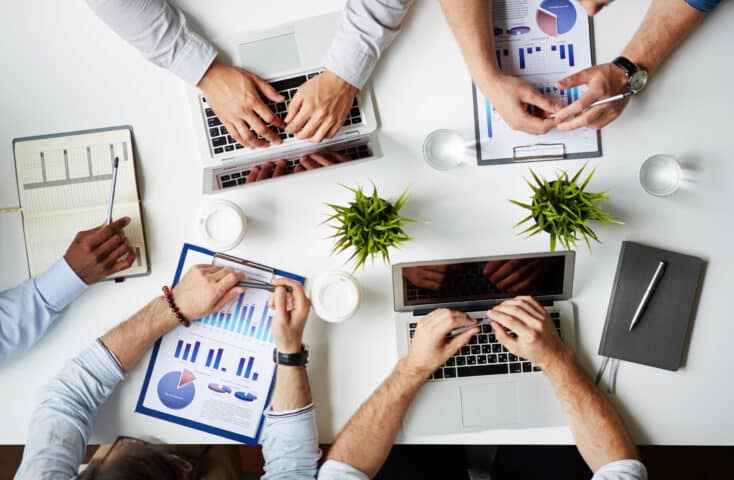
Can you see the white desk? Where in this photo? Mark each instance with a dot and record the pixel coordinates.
(64, 70)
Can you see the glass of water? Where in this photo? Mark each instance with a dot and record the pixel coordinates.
(660, 175)
(445, 149)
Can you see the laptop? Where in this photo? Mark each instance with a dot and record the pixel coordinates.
(285, 56)
(483, 386)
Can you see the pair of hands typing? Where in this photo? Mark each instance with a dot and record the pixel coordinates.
(316, 112)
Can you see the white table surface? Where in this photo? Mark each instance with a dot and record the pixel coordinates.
(64, 70)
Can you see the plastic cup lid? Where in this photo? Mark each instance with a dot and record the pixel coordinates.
(335, 296)
(222, 224)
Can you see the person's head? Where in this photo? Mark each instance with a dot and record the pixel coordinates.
(130, 458)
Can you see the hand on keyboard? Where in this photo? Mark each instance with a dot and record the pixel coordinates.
(535, 334)
(235, 96)
(431, 347)
(320, 106)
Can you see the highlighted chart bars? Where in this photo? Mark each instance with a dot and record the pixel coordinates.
(244, 369)
(556, 17)
(241, 318)
(189, 353)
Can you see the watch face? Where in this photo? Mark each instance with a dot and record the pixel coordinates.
(638, 81)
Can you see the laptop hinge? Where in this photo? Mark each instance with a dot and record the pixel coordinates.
(473, 308)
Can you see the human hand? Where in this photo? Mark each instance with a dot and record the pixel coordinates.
(235, 96)
(206, 289)
(602, 81)
(513, 276)
(431, 346)
(267, 170)
(430, 277)
(97, 253)
(319, 159)
(291, 313)
(512, 97)
(319, 107)
(593, 6)
(537, 339)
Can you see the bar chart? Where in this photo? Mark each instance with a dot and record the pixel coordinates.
(189, 353)
(560, 95)
(240, 318)
(245, 371)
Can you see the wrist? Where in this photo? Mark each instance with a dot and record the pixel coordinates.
(209, 75)
(289, 347)
(558, 361)
(408, 370)
(167, 318)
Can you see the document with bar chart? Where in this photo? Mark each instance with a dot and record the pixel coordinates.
(541, 42)
(216, 375)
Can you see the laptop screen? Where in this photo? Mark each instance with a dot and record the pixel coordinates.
(486, 280)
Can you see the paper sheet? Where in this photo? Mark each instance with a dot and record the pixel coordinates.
(540, 41)
(216, 375)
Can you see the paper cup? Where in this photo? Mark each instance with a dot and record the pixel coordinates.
(335, 296)
(222, 224)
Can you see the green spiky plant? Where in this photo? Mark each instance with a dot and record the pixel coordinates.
(564, 209)
(369, 225)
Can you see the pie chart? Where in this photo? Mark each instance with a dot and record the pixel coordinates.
(246, 396)
(556, 17)
(176, 389)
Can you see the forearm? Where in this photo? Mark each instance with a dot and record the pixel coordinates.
(665, 25)
(368, 437)
(470, 21)
(291, 388)
(599, 432)
(130, 340)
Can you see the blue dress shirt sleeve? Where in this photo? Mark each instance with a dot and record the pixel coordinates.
(28, 310)
(368, 28)
(290, 443)
(703, 5)
(160, 32)
(61, 424)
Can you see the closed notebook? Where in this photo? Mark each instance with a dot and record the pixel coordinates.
(658, 339)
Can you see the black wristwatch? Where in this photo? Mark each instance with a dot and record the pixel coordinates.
(291, 359)
(636, 75)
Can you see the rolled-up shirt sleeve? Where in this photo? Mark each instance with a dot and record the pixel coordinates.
(28, 310)
(61, 423)
(367, 29)
(622, 470)
(161, 33)
(705, 6)
(290, 443)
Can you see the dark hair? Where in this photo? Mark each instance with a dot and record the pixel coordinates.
(139, 462)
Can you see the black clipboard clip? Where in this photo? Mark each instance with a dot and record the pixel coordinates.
(539, 151)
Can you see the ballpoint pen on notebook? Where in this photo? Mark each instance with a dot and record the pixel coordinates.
(114, 184)
(654, 281)
(263, 286)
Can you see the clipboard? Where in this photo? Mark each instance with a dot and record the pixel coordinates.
(555, 40)
(216, 376)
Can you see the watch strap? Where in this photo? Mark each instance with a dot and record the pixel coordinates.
(291, 359)
(629, 67)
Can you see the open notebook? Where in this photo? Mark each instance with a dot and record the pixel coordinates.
(64, 185)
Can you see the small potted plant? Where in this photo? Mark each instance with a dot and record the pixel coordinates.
(369, 225)
(564, 209)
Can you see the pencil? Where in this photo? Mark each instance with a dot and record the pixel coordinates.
(112, 195)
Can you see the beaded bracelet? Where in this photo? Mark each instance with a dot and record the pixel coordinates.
(171, 303)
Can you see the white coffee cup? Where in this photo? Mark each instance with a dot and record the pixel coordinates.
(335, 296)
(222, 224)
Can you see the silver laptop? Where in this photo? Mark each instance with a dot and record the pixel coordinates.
(285, 56)
(483, 386)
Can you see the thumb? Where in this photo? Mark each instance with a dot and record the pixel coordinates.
(462, 339)
(279, 301)
(579, 78)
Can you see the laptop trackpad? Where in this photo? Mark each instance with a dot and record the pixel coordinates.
(270, 56)
(488, 404)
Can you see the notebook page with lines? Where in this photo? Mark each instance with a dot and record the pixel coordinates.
(64, 184)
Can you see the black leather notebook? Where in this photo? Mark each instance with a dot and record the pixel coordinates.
(659, 337)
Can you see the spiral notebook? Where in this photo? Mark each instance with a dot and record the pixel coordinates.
(658, 339)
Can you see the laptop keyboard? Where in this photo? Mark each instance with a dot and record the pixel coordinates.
(222, 142)
(484, 355)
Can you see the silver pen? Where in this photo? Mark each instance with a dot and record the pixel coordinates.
(605, 100)
(114, 184)
(654, 281)
(460, 330)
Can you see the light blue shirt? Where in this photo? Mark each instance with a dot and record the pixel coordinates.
(28, 310)
(703, 5)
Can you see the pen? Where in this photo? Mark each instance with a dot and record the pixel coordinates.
(263, 286)
(112, 195)
(654, 281)
(460, 330)
(605, 100)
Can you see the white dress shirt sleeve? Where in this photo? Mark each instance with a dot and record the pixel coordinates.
(367, 29)
(622, 470)
(28, 310)
(160, 32)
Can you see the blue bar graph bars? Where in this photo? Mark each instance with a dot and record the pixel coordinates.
(240, 320)
(186, 351)
(247, 369)
(217, 359)
(570, 94)
(522, 58)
